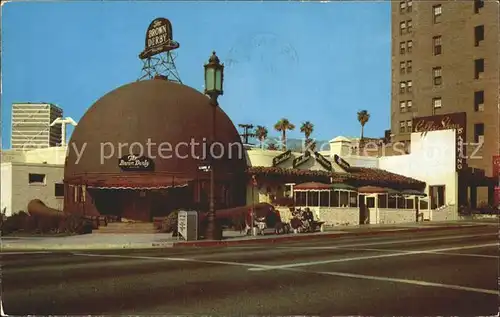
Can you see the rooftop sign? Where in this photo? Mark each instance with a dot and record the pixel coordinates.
(159, 38)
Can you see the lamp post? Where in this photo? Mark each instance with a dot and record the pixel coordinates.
(214, 76)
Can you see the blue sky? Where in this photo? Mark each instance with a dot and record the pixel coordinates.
(320, 62)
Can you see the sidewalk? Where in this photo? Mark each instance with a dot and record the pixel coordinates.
(97, 241)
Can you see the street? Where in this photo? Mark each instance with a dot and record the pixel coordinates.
(451, 272)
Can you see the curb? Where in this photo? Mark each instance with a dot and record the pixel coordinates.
(62, 247)
(212, 243)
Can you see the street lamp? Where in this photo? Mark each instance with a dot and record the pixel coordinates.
(214, 76)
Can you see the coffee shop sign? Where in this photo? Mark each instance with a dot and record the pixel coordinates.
(426, 126)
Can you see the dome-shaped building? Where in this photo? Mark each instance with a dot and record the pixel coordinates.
(137, 152)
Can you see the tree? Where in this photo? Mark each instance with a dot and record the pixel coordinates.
(363, 117)
(261, 134)
(307, 128)
(282, 126)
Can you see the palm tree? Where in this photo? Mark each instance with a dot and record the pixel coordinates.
(307, 128)
(363, 117)
(261, 134)
(282, 126)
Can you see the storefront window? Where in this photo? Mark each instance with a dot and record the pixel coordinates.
(391, 202)
(410, 203)
(313, 199)
(334, 199)
(370, 202)
(401, 202)
(324, 199)
(300, 198)
(382, 201)
(344, 199)
(424, 205)
(353, 199)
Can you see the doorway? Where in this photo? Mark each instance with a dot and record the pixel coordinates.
(363, 212)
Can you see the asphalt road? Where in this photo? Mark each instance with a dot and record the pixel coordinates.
(434, 273)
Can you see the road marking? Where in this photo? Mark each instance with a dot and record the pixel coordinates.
(431, 252)
(22, 253)
(391, 242)
(350, 275)
(414, 282)
(370, 257)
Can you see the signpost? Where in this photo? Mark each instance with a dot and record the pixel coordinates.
(252, 215)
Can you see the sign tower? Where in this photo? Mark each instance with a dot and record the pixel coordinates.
(158, 57)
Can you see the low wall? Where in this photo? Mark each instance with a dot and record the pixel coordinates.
(339, 216)
(445, 213)
(389, 215)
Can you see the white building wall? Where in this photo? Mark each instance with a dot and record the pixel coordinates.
(6, 188)
(23, 192)
(432, 160)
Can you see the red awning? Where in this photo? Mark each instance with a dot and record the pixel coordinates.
(372, 190)
(134, 182)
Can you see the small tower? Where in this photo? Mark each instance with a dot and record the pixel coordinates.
(158, 57)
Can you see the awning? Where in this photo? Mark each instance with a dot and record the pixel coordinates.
(343, 186)
(134, 182)
(137, 187)
(312, 186)
(372, 190)
(413, 192)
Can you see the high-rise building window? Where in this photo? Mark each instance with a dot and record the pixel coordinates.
(479, 132)
(478, 34)
(408, 66)
(402, 67)
(409, 46)
(436, 13)
(408, 126)
(402, 28)
(409, 5)
(479, 100)
(409, 26)
(437, 76)
(402, 87)
(478, 4)
(436, 102)
(402, 48)
(402, 125)
(409, 86)
(436, 43)
(402, 7)
(409, 104)
(478, 68)
(402, 106)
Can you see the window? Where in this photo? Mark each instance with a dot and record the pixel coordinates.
(436, 102)
(479, 100)
(324, 200)
(478, 34)
(59, 190)
(402, 106)
(402, 28)
(478, 68)
(437, 13)
(409, 5)
(409, 26)
(382, 201)
(402, 125)
(409, 86)
(353, 199)
(36, 178)
(436, 75)
(436, 43)
(402, 87)
(409, 46)
(479, 132)
(409, 104)
(409, 125)
(402, 48)
(402, 7)
(437, 196)
(478, 4)
(408, 66)
(402, 67)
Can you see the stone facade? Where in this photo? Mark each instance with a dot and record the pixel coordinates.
(339, 216)
(446, 213)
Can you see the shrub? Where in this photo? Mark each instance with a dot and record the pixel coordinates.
(75, 224)
(14, 223)
(169, 223)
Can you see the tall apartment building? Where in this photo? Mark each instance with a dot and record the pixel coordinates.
(445, 59)
(31, 125)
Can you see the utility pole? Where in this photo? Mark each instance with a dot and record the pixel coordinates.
(247, 133)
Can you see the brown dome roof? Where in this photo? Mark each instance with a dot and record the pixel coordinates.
(149, 112)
